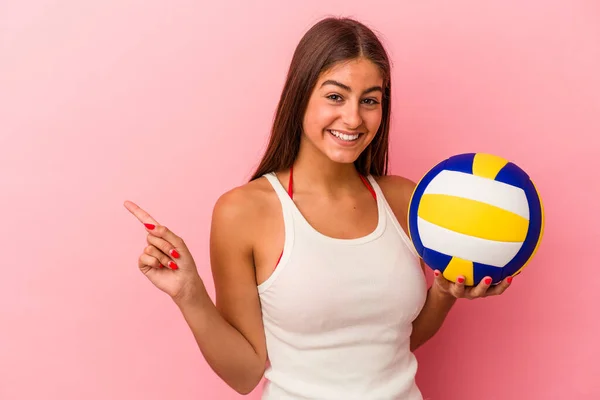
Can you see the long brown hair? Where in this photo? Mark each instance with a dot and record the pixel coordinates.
(328, 42)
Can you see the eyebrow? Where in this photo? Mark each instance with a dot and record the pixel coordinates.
(347, 88)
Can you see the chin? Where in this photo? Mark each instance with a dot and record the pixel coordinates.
(342, 158)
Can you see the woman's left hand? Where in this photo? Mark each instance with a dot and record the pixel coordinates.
(458, 290)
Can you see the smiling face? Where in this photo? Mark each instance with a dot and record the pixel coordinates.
(344, 110)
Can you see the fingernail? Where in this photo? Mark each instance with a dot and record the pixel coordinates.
(488, 281)
(509, 279)
(149, 226)
(161, 266)
(172, 265)
(436, 272)
(460, 279)
(174, 253)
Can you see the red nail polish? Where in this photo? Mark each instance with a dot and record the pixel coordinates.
(460, 279)
(161, 266)
(172, 265)
(436, 273)
(149, 226)
(174, 253)
(509, 279)
(488, 281)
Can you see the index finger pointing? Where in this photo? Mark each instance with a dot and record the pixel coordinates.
(141, 215)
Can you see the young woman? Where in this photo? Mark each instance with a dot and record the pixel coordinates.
(318, 287)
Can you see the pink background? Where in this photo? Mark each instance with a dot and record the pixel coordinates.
(169, 103)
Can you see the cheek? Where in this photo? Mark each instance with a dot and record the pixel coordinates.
(318, 118)
(372, 120)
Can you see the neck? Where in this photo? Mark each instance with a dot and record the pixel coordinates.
(314, 169)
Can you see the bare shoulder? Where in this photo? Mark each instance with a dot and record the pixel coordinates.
(239, 219)
(397, 191)
(244, 204)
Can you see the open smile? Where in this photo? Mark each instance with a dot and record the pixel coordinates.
(344, 135)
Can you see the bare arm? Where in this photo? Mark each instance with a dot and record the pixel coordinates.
(230, 335)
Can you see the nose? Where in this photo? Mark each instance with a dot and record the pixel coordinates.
(351, 116)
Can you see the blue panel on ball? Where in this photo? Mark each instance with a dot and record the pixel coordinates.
(480, 271)
(533, 233)
(414, 206)
(461, 163)
(436, 260)
(513, 175)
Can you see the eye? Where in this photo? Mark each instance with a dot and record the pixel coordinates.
(371, 102)
(335, 97)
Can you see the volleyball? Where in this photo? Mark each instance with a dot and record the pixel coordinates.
(476, 215)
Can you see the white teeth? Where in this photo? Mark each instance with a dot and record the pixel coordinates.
(344, 136)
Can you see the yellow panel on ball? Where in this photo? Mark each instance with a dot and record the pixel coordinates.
(473, 218)
(459, 267)
(487, 165)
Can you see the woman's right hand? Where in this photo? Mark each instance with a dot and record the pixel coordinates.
(166, 261)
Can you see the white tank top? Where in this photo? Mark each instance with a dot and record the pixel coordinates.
(338, 312)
